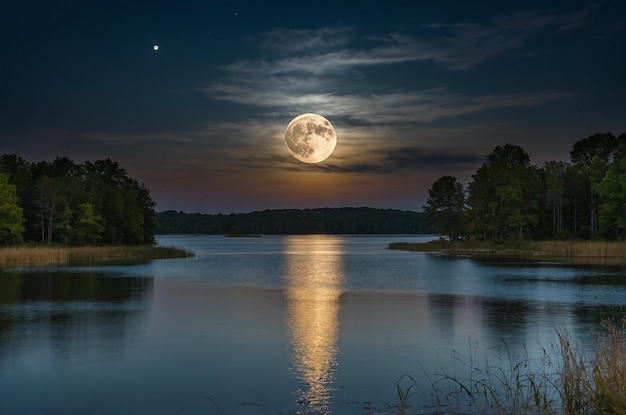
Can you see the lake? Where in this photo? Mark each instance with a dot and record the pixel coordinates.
(314, 324)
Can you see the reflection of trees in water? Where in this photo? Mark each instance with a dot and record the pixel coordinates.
(593, 315)
(443, 310)
(6, 322)
(515, 320)
(504, 317)
(507, 317)
(19, 287)
(70, 315)
(314, 275)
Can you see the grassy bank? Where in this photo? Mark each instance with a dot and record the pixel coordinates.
(41, 255)
(553, 249)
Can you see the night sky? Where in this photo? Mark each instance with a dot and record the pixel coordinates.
(415, 90)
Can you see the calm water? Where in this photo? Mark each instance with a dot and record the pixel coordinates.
(277, 325)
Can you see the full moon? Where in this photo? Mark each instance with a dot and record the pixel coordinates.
(310, 138)
(155, 47)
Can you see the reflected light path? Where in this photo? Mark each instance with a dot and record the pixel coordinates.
(314, 275)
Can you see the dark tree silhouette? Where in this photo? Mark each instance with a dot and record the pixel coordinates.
(445, 207)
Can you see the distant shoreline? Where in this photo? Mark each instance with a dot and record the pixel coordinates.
(571, 251)
(60, 256)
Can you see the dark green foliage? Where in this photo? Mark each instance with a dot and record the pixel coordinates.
(593, 156)
(611, 191)
(599, 147)
(88, 228)
(11, 219)
(554, 177)
(90, 203)
(446, 206)
(294, 221)
(575, 204)
(504, 195)
(125, 205)
(21, 174)
(510, 198)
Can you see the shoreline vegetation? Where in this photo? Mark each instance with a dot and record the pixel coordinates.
(574, 377)
(574, 251)
(60, 256)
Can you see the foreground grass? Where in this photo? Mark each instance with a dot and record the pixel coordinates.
(41, 255)
(554, 249)
(569, 382)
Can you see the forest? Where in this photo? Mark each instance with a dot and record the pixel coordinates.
(61, 202)
(344, 220)
(65, 203)
(510, 198)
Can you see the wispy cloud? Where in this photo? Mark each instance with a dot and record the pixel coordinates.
(462, 46)
(304, 69)
(288, 41)
(392, 160)
(455, 46)
(385, 108)
(415, 158)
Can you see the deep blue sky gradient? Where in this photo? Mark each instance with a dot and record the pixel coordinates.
(415, 89)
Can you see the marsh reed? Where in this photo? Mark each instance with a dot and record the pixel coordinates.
(573, 378)
(579, 249)
(51, 256)
(554, 249)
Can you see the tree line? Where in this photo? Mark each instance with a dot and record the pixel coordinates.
(508, 197)
(345, 220)
(62, 202)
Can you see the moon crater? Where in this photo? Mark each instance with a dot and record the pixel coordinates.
(310, 138)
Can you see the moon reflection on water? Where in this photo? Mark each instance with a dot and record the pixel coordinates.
(314, 281)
